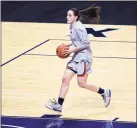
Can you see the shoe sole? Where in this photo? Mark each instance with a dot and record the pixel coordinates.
(49, 107)
(109, 98)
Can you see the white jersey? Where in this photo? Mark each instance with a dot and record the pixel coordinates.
(79, 38)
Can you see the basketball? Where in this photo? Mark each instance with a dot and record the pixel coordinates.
(60, 49)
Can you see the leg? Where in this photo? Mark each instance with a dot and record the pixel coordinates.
(82, 82)
(83, 69)
(68, 74)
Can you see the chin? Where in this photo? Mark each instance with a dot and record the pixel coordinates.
(68, 22)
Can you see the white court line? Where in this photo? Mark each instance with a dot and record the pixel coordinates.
(12, 126)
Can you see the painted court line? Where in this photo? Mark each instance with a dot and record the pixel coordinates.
(24, 53)
(100, 40)
(11, 126)
(102, 57)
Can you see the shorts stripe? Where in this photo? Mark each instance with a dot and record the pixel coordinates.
(71, 69)
(85, 70)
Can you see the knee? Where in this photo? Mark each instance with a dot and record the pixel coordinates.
(65, 81)
(81, 84)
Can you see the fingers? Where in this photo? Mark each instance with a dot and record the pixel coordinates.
(66, 52)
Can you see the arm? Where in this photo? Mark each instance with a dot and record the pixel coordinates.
(77, 49)
(70, 44)
(83, 36)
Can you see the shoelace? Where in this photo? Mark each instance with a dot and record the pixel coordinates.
(53, 101)
(103, 96)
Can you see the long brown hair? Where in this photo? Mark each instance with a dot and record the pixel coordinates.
(90, 15)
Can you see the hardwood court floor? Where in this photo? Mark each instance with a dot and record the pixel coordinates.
(30, 80)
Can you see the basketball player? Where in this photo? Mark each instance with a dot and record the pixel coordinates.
(80, 63)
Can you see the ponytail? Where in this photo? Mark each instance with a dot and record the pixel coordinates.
(90, 15)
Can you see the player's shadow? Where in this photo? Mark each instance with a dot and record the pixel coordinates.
(51, 116)
(53, 121)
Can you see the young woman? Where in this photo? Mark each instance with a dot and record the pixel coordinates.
(80, 63)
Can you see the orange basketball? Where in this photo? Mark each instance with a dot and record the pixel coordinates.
(60, 49)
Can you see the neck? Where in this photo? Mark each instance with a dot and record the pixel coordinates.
(73, 24)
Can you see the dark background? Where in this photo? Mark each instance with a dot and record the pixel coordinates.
(112, 12)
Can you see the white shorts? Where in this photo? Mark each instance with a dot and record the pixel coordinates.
(80, 68)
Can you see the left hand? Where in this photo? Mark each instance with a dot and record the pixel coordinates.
(67, 52)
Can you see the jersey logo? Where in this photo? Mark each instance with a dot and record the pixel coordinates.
(100, 32)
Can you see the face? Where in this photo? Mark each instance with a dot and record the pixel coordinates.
(71, 18)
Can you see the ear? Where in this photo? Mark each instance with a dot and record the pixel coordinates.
(76, 17)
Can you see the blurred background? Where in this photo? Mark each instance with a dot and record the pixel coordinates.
(111, 12)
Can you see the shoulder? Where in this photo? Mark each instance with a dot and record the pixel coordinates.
(79, 26)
